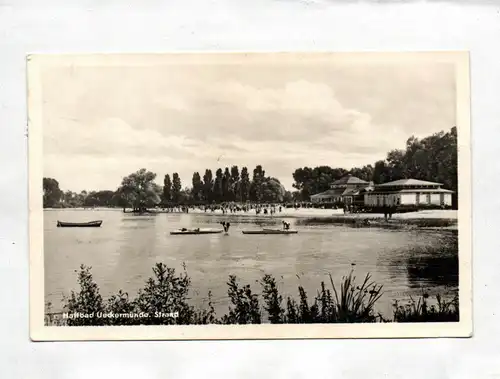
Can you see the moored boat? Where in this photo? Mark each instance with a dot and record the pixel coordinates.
(270, 231)
(185, 231)
(90, 224)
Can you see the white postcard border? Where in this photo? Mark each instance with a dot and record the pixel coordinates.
(40, 332)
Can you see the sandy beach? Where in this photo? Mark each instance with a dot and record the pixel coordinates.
(315, 212)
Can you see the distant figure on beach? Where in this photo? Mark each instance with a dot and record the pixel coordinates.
(286, 225)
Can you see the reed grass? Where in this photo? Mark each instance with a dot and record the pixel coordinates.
(421, 311)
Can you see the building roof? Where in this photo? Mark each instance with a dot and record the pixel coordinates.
(409, 190)
(351, 192)
(338, 192)
(329, 193)
(349, 179)
(409, 182)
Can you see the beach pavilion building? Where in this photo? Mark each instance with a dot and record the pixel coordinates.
(411, 193)
(347, 190)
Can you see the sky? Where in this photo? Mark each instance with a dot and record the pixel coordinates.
(103, 121)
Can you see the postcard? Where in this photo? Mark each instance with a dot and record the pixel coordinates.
(252, 195)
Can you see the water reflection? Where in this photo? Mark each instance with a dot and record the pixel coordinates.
(432, 266)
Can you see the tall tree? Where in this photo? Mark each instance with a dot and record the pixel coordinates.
(52, 194)
(303, 178)
(397, 168)
(381, 172)
(244, 185)
(256, 186)
(272, 190)
(186, 195)
(226, 185)
(82, 197)
(197, 190)
(104, 198)
(208, 185)
(235, 184)
(364, 173)
(434, 158)
(139, 190)
(176, 188)
(70, 199)
(218, 185)
(99, 199)
(167, 190)
(288, 197)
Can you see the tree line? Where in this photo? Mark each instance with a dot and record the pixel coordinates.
(227, 185)
(139, 190)
(433, 158)
(54, 197)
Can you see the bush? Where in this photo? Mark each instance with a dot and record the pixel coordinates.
(272, 300)
(120, 304)
(165, 293)
(87, 301)
(245, 305)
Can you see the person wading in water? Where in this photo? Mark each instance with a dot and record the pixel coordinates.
(226, 226)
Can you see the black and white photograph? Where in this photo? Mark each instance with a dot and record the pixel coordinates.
(249, 195)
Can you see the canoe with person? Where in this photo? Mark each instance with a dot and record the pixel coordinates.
(196, 231)
(285, 230)
(270, 231)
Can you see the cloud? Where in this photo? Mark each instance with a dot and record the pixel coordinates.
(302, 111)
(113, 137)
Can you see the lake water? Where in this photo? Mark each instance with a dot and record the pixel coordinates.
(123, 251)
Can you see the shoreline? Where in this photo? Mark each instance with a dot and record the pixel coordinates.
(291, 212)
(425, 219)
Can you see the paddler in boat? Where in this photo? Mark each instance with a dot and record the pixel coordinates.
(286, 225)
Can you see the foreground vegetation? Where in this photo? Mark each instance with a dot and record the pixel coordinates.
(165, 300)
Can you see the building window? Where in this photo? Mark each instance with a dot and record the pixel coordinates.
(418, 199)
(428, 198)
(441, 198)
